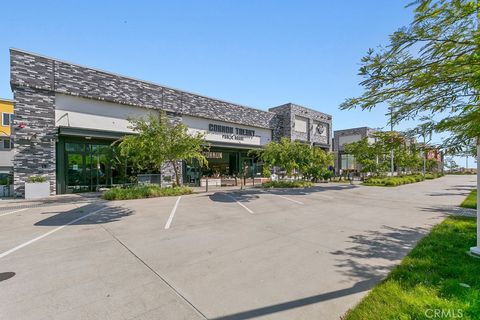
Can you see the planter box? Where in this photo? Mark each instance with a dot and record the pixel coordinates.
(37, 190)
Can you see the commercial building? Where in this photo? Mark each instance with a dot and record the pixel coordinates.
(343, 160)
(67, 116)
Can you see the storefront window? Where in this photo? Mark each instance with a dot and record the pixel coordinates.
(90, 166)
(348, 162)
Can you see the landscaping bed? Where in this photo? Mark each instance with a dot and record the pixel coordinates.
(148, 191)
(436, 275)
(287, 184)
(400, 180)
(470, 201)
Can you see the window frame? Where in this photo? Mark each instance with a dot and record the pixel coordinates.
(6, 115)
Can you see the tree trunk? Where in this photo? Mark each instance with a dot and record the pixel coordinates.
(175, 169)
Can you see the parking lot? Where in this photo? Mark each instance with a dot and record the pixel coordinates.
(277, 254)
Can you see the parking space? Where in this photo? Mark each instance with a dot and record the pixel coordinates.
(266, 254)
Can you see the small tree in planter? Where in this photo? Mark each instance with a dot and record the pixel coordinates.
(159, 141)
(37, 187)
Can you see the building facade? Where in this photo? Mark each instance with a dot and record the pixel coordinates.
(67, 116)
(343, 160)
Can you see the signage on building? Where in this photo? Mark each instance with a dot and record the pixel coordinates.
(227, 129)
(225, 132)
(212, 155)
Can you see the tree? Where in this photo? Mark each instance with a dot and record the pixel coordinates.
(280, 154)
(295, 157)
(318, 163)
(158, 140)
(367, 155)
(431, 68)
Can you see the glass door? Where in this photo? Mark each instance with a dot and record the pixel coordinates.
(75, 168)
(98, 166)
(76, 172)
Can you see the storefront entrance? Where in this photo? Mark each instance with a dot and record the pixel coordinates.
(88, 165)
(223, 163)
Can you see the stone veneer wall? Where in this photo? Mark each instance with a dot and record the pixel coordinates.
(34, 152)
(290, 110)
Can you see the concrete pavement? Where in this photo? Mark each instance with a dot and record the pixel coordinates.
(285, 254)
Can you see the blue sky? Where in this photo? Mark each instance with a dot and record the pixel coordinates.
(256, 53)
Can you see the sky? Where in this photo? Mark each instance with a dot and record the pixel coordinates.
(261, 53)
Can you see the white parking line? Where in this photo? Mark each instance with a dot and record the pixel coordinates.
(273, 194)
(241, 204)
(6, 253)
(4, 214)
(170, 218)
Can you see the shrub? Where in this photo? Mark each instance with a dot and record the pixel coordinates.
(148, 191)
(266, 171)
(390, 183)
(287, 184)
(399, 180)
(327, 175)
(36, 179)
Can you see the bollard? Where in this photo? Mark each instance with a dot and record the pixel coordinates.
(206, 184)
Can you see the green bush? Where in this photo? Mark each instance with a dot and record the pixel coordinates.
(36, 179)
(287, 184)
(399, 180)
(327, 175)
(140, 192)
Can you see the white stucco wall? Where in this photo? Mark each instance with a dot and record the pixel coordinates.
(262, 136)
(79, 112)
(84, 113)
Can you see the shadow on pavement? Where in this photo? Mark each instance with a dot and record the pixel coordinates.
(108, 214)
(77, 198)
(390, 244)
(452, 210)
(252, 194)
(249, 314)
